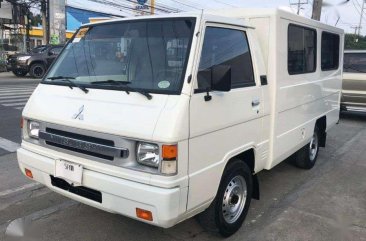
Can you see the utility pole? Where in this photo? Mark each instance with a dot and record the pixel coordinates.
(57, 21)
(152, 7)
(355, 28)
(299, 3)
(27, 28)
(359, 25)
(317, 9)
(45, 25)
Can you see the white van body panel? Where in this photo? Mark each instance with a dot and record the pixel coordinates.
(208, 133)
(298, 101)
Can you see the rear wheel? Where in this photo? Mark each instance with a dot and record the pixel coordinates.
(19, 72)
(37, 70)
(231, 204)
(306, 157)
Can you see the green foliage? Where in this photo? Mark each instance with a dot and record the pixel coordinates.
(353, 41)
(36, 19)
(54, 39)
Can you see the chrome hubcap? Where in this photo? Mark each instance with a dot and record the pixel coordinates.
(234, 199)
(313, 147)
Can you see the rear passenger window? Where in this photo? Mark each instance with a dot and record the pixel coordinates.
(230, 47)
(330, 51)
(301, 50)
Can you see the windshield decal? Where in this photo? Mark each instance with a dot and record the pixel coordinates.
(164, 84)
(81, 34)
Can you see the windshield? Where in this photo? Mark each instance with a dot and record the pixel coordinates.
(148, 55)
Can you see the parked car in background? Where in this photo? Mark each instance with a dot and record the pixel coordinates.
(36, 62)
(354, 81)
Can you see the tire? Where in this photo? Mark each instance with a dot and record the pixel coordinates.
(37, 70)
(19, 72)
(306, 157)
(235, 191)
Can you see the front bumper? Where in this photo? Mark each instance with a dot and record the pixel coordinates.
(13, 67)
(118, 195)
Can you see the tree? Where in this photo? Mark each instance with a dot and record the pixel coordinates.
(353, 41)
(36, 19)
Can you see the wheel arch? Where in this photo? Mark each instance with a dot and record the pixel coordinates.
(248, 157)
(321, 123)
(38, 61)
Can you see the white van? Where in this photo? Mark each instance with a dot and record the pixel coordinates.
(160, 118)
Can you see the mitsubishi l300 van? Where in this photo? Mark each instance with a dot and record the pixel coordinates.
(161, 118)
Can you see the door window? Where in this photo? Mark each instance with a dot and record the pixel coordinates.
(228, 47)
(330, 51)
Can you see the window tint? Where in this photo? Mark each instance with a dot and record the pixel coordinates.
(355, 62)
(330, 51)
(301, 50)
(226, 47)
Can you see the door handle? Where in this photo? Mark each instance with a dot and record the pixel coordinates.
(255, 102)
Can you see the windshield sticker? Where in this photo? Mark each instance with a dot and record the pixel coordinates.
(81, 34)
(164, 84)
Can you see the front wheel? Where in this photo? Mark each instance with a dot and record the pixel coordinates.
(227, 212)
(37, 70)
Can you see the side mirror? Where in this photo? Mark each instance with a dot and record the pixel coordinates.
(221, 78)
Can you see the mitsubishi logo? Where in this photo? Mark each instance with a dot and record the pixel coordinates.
(80, 114)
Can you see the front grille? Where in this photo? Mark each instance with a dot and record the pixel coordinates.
(80, 137)
(80, 190)
(88, 145)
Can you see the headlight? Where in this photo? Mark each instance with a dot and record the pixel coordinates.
(148, 154)
(33, 129)
(24, 58)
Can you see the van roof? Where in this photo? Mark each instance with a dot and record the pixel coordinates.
(238, 13)
(245, 13)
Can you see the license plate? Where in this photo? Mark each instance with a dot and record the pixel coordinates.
(69, 171)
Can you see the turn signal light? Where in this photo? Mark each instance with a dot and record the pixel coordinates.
(144, 214)
(170, 152)
(21, 122)
(28, 173)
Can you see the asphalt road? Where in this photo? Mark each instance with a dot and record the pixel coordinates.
(325, 203)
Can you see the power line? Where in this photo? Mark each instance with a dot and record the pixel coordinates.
(162, 9)
(176, 1)
(298, 4)
(228, 4)
(358, 28)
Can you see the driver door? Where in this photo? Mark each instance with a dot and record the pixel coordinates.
(229, 120)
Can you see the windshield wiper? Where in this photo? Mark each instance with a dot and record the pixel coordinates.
(125, 87)
(69, 80)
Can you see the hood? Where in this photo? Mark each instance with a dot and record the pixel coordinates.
(23, 54)
(108, 111)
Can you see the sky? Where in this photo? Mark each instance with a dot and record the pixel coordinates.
(349, 13)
